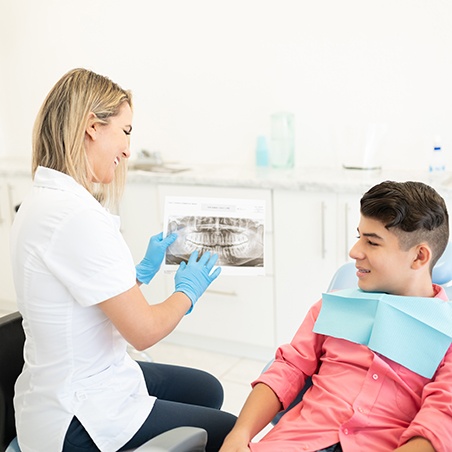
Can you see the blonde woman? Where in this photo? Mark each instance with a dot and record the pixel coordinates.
(79, 291)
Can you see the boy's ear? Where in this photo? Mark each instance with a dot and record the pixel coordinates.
(422, 257)
(91, 126)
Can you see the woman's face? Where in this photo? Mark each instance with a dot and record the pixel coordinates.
(107, 144)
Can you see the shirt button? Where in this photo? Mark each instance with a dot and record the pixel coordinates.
(81, 395)
(375, 376)
(346, 431)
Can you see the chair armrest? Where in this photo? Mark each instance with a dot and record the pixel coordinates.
(180, 439)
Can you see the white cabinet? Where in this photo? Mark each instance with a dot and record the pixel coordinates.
(141, 219)
(236, 313)
(7, 294)
(305, 229)
(12, 192)
(313, 234)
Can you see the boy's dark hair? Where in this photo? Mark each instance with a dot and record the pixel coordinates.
(413, 211)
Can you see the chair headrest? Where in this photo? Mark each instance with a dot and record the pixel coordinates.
(442, 271)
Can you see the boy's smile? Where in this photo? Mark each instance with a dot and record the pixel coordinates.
(382, 266)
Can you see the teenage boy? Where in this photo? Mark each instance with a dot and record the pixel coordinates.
(380, 356)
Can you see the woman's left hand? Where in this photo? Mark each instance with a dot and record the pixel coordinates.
(153, 258)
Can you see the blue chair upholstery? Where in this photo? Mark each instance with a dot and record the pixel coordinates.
(344, 278)
(12, 338)
(442, 271)
(13, 446)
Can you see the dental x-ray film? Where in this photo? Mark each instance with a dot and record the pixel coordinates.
(232, 228)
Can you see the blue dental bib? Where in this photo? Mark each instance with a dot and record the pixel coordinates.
(412, 331)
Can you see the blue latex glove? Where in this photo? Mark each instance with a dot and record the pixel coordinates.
(193, 278)
(153, 258)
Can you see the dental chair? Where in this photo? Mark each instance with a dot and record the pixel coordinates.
(12, 337)
(345, 278)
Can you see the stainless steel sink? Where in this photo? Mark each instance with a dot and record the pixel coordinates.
(153, 162)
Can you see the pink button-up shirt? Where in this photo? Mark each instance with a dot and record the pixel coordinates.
(359, 398)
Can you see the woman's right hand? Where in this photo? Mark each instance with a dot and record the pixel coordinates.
(194, 277)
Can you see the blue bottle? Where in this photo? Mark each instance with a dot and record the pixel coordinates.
(262, 157)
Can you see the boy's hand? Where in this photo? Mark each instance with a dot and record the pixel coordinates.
(153, 258)
(233, 448)
(235, 443)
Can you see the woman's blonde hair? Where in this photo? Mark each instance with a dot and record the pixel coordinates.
(59, 129)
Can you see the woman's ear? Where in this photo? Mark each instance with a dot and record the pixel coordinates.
(423, 256)
(91, 126)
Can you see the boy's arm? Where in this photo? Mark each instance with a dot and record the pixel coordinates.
(260, 408)
(434, 418)
(416, 444)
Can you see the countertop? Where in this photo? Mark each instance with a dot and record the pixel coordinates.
(312, 180)
(336, 180)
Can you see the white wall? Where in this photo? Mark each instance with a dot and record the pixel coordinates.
(206, 74)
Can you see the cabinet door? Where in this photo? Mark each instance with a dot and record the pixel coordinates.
(7, 293)
(17, 188)
(235, 310)
(348, 221)
(12, 192)
(305, 227)
(141, 219)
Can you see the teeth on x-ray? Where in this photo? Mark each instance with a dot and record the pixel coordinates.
(237, 241)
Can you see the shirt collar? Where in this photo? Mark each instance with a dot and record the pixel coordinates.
(440, 292)
(56, 180)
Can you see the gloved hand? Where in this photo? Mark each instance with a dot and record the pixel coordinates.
(193, 278)
(153, 258)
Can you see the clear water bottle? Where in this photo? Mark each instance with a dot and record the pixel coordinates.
(437, 160)
(282, 147)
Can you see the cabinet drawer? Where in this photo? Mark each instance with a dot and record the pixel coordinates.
(234, 308)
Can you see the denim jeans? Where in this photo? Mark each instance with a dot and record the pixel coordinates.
(184, 397)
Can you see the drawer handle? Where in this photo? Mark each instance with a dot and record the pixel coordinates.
(9, 189)
(347, 247)
(323, 244)
(225, 293)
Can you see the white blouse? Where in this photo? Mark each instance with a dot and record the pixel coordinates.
(68, 255)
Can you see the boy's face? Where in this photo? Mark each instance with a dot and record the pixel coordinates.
(382, 265)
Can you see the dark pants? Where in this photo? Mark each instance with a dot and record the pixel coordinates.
(334, 448)
(185, 397)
